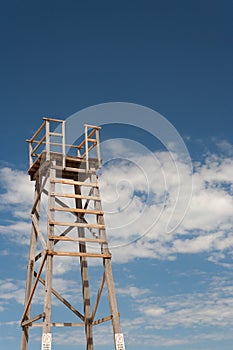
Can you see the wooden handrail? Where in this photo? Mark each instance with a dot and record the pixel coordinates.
(91, 140)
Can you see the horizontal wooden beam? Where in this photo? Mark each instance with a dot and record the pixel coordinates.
(33, 319)
(79, 239)
(60, 324)
(58, 134)
(66, 324)
(53, 120)
(77, 224)
(91, 140)
(78, 210)
(71, 195)
(101, 320)
(71, 182)
(86, 255)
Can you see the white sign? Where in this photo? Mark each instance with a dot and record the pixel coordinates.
(46, 341)
(119, 339)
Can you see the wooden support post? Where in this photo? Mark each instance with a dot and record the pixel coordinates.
(84, 276)
(30, 267)
(107, 267)
(86, 148)
(49, 261)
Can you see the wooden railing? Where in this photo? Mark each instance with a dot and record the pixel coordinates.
(44, 141)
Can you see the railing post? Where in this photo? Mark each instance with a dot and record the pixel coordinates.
(30, 154)
(63, 145)
(47, 139)
(86, 146)
(98, 147)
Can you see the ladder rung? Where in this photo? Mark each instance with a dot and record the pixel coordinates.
(80, 196)
(78, 210)
(91, 140)
(71, 182)
(77, 224)
(55, 134)
(74, 170)
(86, 255)
(66, 324)
(79, 239)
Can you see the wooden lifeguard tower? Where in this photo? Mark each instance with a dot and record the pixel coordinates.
(66, 183)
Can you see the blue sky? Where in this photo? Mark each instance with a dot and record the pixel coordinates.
(174, 291)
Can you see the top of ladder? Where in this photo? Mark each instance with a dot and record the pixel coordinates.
(50, 139)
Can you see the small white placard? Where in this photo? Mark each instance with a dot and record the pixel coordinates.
(46, 341)
(120, 344)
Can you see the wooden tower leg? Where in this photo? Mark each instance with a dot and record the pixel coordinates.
(31, 264)
(84, 276)
(49, 260)
(107, 265)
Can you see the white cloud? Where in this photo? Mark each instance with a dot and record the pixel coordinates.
(139, 193)
(198, 309)
(18, 190)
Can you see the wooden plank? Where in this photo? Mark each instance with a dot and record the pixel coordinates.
(33, 319)
(72, 182)
(66, 324)
(49, 261)
(86, 255)
(77, 224)
(63, 145)
(71, 195)
(98, 148)
(47, 140)
(75, 170)
(59, 324)
(53, 120)
(101, 320)
(58, 134)
(91, 140)
(78, 210)
(39, 255)
(79, 239)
